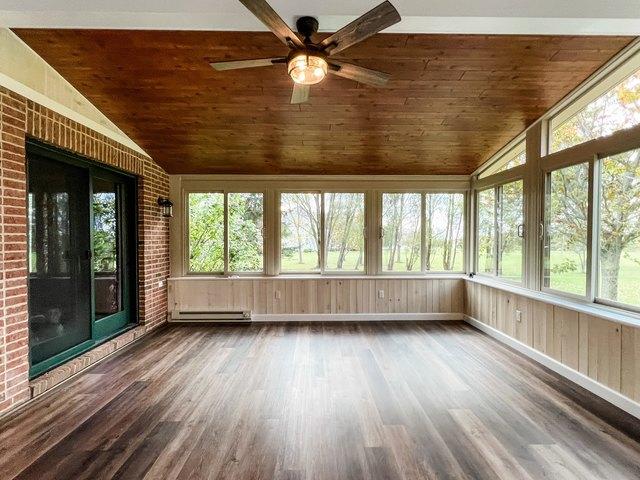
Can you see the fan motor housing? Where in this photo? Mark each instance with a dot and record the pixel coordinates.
(307, 26)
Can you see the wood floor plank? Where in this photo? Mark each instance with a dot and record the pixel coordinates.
(320, 401)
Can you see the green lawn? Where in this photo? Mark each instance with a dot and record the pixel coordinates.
(436, 262)
(291, 263)
(575, 281)
(309, 260)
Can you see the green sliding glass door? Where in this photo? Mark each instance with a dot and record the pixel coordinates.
(81, 255)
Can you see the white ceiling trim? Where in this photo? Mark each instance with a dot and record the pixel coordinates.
(328, 23)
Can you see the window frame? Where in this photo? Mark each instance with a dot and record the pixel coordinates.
(187, 245)
(497, 188)
(589, 260)
(322, 240)
(596, 186)
(279, 232)
(627, 65)
(423, 193)
(503, 157)
(593, 222)
(540, 161)
(365, 236)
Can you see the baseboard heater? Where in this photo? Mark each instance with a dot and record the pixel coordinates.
(210, 316)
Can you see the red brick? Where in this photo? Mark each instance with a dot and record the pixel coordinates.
(20, 117)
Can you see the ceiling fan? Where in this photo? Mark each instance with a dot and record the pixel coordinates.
(307, 62)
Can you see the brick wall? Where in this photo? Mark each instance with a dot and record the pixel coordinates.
(19, 118)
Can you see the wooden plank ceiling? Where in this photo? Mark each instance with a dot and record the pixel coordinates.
(452, 102)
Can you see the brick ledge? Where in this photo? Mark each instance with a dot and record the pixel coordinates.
(65, 371)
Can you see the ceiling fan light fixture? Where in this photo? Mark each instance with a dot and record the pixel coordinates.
(307, 69)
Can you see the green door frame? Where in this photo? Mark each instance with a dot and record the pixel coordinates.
(110, 326)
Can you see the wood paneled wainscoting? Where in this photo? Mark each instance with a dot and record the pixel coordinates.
(600, 354)
(342, 298)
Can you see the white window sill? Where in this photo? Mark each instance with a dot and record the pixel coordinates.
(430, 276)
(597, 310)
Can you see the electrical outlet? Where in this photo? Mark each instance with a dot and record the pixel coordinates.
(277, 294)
(381, 294)
(518, 316)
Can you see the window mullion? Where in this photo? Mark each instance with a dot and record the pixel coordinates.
(321, 234)
(226, 233)
(423, 232)
(496, 228)
(593, 240)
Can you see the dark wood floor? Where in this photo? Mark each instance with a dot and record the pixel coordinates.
(319, 401)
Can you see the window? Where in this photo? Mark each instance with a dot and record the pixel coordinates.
(300, 232)
(405, 248)
(444, 224)
(206, 232)
(210, 250)
(566, 215)
(246, 242)
(612, 105)
(500, 231)
(344, 231)
(486, 231)
(511, 231)
(401, 228)
(619, 229)
(513, 158)
(589, 224)
(303, 243)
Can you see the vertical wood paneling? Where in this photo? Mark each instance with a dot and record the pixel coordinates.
(522, 330)
(630, 362)
(457, 300)
(606, 351)
(583, 344)
(320, 296)
(428, 293)
(568, 325)
(324, 296)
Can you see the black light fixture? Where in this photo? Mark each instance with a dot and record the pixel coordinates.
(166, 206)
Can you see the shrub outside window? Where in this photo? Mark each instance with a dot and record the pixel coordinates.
(230, 242)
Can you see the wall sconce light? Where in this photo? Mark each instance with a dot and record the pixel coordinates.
(166, 206)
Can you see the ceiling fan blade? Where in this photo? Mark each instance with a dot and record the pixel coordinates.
(258, 62)
(381, 17)
(300, 93)
(268, 16)
(359, 74)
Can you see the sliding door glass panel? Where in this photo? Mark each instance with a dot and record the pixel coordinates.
(206, 232)
(401, 231)
(619, 229)
(344, 231)
(444, 226)
(486, 231)
(245, 223)
(566, 209)
(300, 232)
(59, 258)
(510, 231)
(107, 270)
